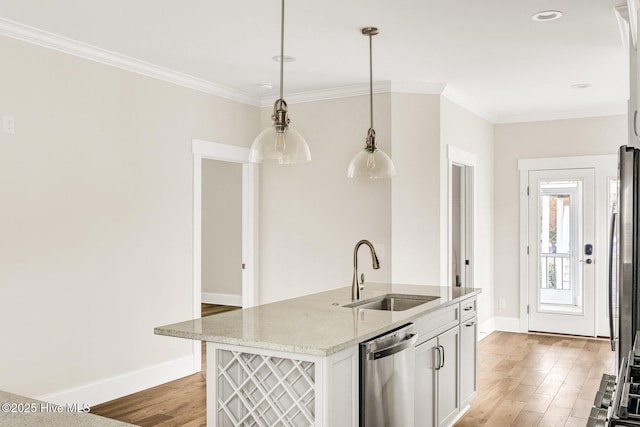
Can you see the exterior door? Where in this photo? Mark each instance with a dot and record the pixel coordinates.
(561, 248)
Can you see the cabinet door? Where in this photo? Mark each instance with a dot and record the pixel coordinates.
(425, 384)
(448, 376)
(468, 365)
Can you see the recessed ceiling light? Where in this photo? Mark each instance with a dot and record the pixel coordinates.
(581, 86)
(286, 58)
(547, 15)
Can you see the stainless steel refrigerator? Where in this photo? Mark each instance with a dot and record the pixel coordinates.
(623, 255)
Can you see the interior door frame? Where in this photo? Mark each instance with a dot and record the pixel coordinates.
(602, 165)
(202, 149)
(460, 157)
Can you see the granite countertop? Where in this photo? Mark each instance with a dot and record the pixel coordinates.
(20, 411)
(315, 324)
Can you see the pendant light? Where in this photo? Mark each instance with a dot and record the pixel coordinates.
(371, 162)
(279, 143)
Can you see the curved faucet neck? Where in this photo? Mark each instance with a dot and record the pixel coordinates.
(356, 284)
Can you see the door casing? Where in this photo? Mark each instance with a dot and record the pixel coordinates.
(604, 167)
(459, 157)
(228, 153)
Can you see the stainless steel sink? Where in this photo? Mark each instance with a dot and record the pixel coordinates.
(392, 302)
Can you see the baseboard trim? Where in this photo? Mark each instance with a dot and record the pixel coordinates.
(507, 324)
(461, 414)
(222, 299)
(486, 328)
(124, 384)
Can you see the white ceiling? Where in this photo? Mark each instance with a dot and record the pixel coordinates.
(491, 52)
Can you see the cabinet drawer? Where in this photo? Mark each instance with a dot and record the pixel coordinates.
(468, 308)
(435, 323)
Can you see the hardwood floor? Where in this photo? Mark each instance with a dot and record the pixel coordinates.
(523, 380)
(175, 404)
(537, 380)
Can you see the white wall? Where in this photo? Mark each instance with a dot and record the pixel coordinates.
(96, 221)
(416, 188)
(575, 137)
(463, 129)
(312, 215)
(221, 228)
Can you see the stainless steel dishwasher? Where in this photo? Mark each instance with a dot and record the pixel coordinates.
(386, 379)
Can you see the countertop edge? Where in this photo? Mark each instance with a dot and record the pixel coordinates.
(284, 348)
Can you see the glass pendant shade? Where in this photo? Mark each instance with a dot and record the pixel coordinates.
(279, 143)
(272, 146)
(372, 165)
(371, 162)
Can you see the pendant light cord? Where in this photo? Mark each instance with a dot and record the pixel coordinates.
(281, 47)
(370, 78)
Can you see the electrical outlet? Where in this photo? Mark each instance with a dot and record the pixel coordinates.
(502, 303)
(8, 124)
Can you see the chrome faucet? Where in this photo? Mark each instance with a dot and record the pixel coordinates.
(358, 283)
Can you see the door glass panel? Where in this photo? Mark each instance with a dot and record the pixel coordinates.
(559, 215)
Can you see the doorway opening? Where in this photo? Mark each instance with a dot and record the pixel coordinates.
(460, 271)
(238, 156)
(221, 232)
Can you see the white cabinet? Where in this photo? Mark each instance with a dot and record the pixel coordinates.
(436, 376)
(448, 375)
(426, 387)
(445, 364)
(468, 361)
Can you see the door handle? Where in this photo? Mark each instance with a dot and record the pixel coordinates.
(587, 261)
(611, 237)
(396, 348)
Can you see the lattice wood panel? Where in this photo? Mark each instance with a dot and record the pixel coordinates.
(263, 391)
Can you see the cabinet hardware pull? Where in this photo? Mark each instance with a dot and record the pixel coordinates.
(442, 366)
(470, 324)
(468, 308)
(437, 349)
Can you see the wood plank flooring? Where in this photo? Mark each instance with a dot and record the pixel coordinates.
(537, 380)
(523, 380)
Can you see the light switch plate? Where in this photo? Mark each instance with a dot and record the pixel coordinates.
(8, 124)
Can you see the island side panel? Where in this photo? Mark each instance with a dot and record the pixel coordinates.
(246, 385)
(342, 389)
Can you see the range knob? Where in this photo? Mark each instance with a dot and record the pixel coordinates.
(597, 418)
(607, 383)
(603, 399)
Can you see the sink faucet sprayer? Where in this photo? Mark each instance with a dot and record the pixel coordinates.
(358, 284)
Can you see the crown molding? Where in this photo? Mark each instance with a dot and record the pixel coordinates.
(456, 97)
(563, 115)
(72, 47)
(331, 93)
(69, 46)
(422, 88)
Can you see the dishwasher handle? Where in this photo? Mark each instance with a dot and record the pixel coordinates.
(409, 341)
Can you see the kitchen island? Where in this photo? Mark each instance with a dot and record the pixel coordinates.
(295, 362)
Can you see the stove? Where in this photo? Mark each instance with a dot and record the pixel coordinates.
(617, 401)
